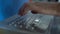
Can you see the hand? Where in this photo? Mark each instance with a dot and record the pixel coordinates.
(41, 8)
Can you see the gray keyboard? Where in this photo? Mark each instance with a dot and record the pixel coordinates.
(36, 23)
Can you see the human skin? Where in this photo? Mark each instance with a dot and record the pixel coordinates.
(52, 8)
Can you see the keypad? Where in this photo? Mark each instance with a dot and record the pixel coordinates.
(30, 22)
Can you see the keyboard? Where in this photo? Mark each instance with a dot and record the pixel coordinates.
(29, 23)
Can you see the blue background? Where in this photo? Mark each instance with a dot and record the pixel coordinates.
(9, 8)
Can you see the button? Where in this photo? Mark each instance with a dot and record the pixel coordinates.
(20, 26)
(32, 28)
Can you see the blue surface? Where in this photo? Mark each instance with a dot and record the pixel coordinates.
(9, 8)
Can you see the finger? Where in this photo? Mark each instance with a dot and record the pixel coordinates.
(27, 6)
(43, 8)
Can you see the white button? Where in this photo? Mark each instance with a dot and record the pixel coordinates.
(37, 20)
